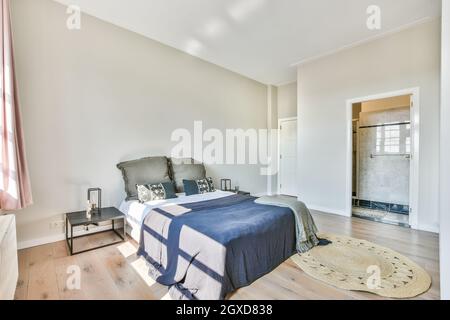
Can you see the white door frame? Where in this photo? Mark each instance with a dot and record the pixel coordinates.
(444, 206)
(415, 155)
(280, 121)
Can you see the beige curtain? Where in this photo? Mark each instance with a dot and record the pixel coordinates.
(15, 190)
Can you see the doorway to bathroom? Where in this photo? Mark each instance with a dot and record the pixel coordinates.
(382, 159)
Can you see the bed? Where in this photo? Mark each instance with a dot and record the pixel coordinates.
(207, 246)
(204, 246)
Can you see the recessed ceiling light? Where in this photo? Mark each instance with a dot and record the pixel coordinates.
(214, 27)
(242, 9)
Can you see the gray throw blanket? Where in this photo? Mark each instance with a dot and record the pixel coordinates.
(304, 223)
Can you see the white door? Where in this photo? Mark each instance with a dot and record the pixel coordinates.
(288, 157)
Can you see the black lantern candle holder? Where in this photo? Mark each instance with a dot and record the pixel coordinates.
(225, 184)
(97, 203)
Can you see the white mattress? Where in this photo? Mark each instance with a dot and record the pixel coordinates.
(136, 212)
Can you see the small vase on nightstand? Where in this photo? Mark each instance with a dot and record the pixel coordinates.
(89, 210)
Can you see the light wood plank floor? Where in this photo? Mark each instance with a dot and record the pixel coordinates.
(115, 272)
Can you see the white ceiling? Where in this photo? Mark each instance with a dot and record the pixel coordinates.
(261, 39)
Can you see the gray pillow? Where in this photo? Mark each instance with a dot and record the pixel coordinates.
(183, 170)
(143, 171)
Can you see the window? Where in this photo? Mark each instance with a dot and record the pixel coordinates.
(392, 139)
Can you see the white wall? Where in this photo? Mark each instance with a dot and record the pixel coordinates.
(445, 155)
(287, 101)
(407, 59)
(272, 123)
(101, 95)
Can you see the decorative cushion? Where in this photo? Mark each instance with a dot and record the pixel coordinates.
(185, 169)
(212, 188)
(199, 186)
(144, 171)
(190, 187)
(159, 191)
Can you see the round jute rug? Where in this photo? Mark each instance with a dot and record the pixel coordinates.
(366, 213)
(359, 265)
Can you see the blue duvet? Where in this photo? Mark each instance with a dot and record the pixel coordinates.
(206, 250)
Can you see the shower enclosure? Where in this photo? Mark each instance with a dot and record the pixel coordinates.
(382, 155)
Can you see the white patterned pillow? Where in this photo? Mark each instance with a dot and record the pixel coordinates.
(211, 185)
(205, 185)
(159, 191)
(202, 185)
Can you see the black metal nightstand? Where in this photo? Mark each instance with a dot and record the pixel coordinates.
(76, 219)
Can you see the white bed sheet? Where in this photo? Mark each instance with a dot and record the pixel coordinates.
(136, 212)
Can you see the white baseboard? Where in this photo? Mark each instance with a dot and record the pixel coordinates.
(434, 228)
(61, 237)
(327, 210)
(41, 241)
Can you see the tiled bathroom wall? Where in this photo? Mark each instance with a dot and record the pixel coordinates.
(384, 156)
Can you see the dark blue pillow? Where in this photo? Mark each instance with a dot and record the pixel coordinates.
(190, 187)
(200, 186)
(169, 187)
